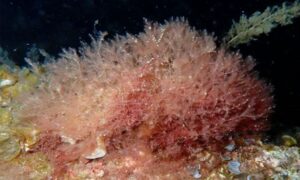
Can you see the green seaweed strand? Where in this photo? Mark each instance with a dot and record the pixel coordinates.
(260, 23)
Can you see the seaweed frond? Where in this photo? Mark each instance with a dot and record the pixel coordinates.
(261, 23)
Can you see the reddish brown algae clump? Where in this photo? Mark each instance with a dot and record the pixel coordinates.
(146, 103)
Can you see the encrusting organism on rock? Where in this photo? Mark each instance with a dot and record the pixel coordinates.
(168, 92)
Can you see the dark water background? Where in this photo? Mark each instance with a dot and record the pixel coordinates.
(56, 24)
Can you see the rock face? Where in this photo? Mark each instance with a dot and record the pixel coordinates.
(169, 90)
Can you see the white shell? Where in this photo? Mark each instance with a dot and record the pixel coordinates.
(100, 150)
(6, 82)
(98, 153)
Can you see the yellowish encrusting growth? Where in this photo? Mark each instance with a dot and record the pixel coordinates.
(16, 137)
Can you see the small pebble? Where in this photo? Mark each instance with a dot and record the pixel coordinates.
(230, 147)
(234, 167)
(197, 174)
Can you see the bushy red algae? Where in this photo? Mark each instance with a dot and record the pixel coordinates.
(168, 90)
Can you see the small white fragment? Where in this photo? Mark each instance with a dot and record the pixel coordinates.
(67, 139)
(100, 173)
(4, 136)
(249, 177)
(6, 82)
(197, 174)
(26, 148)
(98, 153)
(230, 147)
